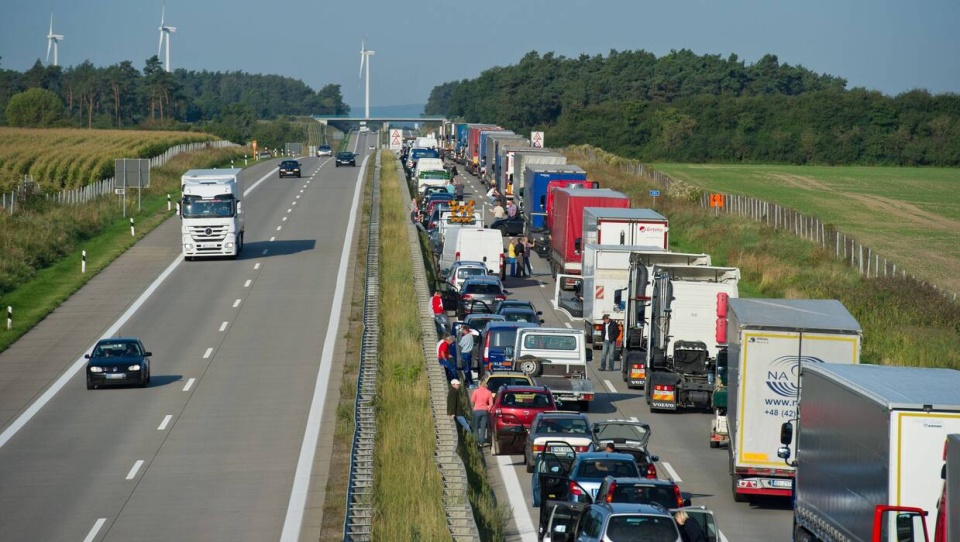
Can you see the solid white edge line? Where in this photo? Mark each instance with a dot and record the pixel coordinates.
(97, 525)
(673, 473)
(224, 325)
(609, 386)
(133, 471)
(206, 355)
(189, 384)
(165, 422)
(525, 528)
(308, 449)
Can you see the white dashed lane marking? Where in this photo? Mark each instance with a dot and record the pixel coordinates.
(92, 535)
(189, 384)
(224, 325)
(133, 471)
(165, 422)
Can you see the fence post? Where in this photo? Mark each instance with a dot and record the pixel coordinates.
(9, 317)
(133, 232)
(83, 262)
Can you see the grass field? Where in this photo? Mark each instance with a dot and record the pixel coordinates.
(61, 158)
(911, 216)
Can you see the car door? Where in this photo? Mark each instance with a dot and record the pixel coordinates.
(558, 520)
(706, 520)
(553, 472)
(449, 295)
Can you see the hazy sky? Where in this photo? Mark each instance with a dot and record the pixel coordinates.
(887, 45)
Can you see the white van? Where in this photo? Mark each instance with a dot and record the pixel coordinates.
(477, 244)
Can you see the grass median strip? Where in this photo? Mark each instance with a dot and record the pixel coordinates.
(407, 482)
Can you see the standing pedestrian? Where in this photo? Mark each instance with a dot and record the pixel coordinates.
(465, 350)
(450, 187)
(521, 254)
(512, 256)
(511, 209)
(499, 212)
(482, 400)
(458, 190)
(453, 399)
(436, 303)
(527, 250)
(610, 332)
(453, 172)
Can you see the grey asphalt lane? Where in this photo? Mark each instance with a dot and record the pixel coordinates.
(208, 451)
(680, 439)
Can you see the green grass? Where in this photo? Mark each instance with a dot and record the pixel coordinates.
(408, 489)
(911, 216)
(904, 321)
(33, 299)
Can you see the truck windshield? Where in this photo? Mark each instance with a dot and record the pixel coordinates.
(194, 207)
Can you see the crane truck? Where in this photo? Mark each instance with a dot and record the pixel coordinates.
(211, 210)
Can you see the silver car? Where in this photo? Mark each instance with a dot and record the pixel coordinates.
(555, 428)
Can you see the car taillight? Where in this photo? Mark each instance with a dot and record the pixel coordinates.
(652, 471)
(537, 448)
(486, 351)
(457, 256)
(678, 496)
(588, 397)
(466, 297)
(610, 489)
(501, 298)
(575, 490)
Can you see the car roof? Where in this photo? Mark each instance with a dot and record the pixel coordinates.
(526, 389)
(621, 480)
(524, 310)
(563, 414)
(593, 456)
(118, 340)
(503, 324)
(289, 162)
(485, 279)
(461, 263)
(632, 508)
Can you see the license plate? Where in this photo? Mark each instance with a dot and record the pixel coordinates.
(781, 483)
(560, 449)
(116, 376)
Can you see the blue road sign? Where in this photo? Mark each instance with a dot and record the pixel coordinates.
(654, 193)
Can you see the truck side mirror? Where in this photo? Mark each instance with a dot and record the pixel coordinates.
(520, 192)
(543, 201)
(786, 433)
(618, 298)
(577, 243)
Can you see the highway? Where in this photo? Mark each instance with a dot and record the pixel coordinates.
(210, 450)
(680, 439)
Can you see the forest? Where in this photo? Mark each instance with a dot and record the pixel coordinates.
(122, 96)
(684, 107)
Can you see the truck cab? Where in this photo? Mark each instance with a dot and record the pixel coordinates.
(211, 212)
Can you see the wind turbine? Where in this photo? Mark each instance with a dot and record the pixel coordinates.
(165, 30)
(53, 40)
(365, 59)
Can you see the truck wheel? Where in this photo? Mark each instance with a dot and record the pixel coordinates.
(737, 497)
(584, 407)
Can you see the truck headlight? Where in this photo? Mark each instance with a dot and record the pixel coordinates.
(188, 246)
(228, 245)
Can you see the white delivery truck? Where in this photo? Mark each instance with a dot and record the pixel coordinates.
(616, 226)
(605, 271)
(768, 341)
(869, 450)
(211, 212)
(473, 244)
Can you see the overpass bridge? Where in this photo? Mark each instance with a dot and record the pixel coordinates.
(385, 120)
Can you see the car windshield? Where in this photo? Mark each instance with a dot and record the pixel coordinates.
(598, 468)
(465, 272)
(116, 350)
(526, 400)
(649, 528)
(324, 147)
(345, 155)
(194, 207)
(549, 342)
(519, 316)
(625, 433)
(645, 494)
(572, 425)
(289, 164)
(496, 383)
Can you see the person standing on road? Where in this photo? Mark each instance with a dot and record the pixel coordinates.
(527, 251)
(511, 209)
(499, 212)
(450, 187)
(458, 190)
(610, 332)
(453, 399)
(482, 400)
(465, 350)
(521, 255)
(512, 256)
(436, 303)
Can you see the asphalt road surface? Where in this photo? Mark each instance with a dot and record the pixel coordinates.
(220, 446)
(680, 439)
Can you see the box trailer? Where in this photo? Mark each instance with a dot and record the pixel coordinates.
(522, 159)
(566, 240)
(612, 226)
(869, 443)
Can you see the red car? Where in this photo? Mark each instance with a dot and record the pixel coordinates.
(513, 411)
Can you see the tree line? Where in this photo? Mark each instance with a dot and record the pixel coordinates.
(228, 104)
(684, 107)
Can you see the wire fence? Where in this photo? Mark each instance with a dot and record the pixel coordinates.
(84, 194)
(867, 261)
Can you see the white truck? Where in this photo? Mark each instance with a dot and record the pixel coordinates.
(555, 358)
(211, 212)
(615, 226)
(768, 341)
(869, 450)
(684, 336)
(948, 511)
(472, 243)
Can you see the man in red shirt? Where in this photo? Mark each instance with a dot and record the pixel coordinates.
(436, 302)
(446, 358)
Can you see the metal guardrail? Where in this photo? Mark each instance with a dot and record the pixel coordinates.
(358, 523)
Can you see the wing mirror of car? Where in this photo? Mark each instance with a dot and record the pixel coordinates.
(86, 356)
(147, 354)
(686, 498)
(539, 313)
(654, 458)
(541, 320)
